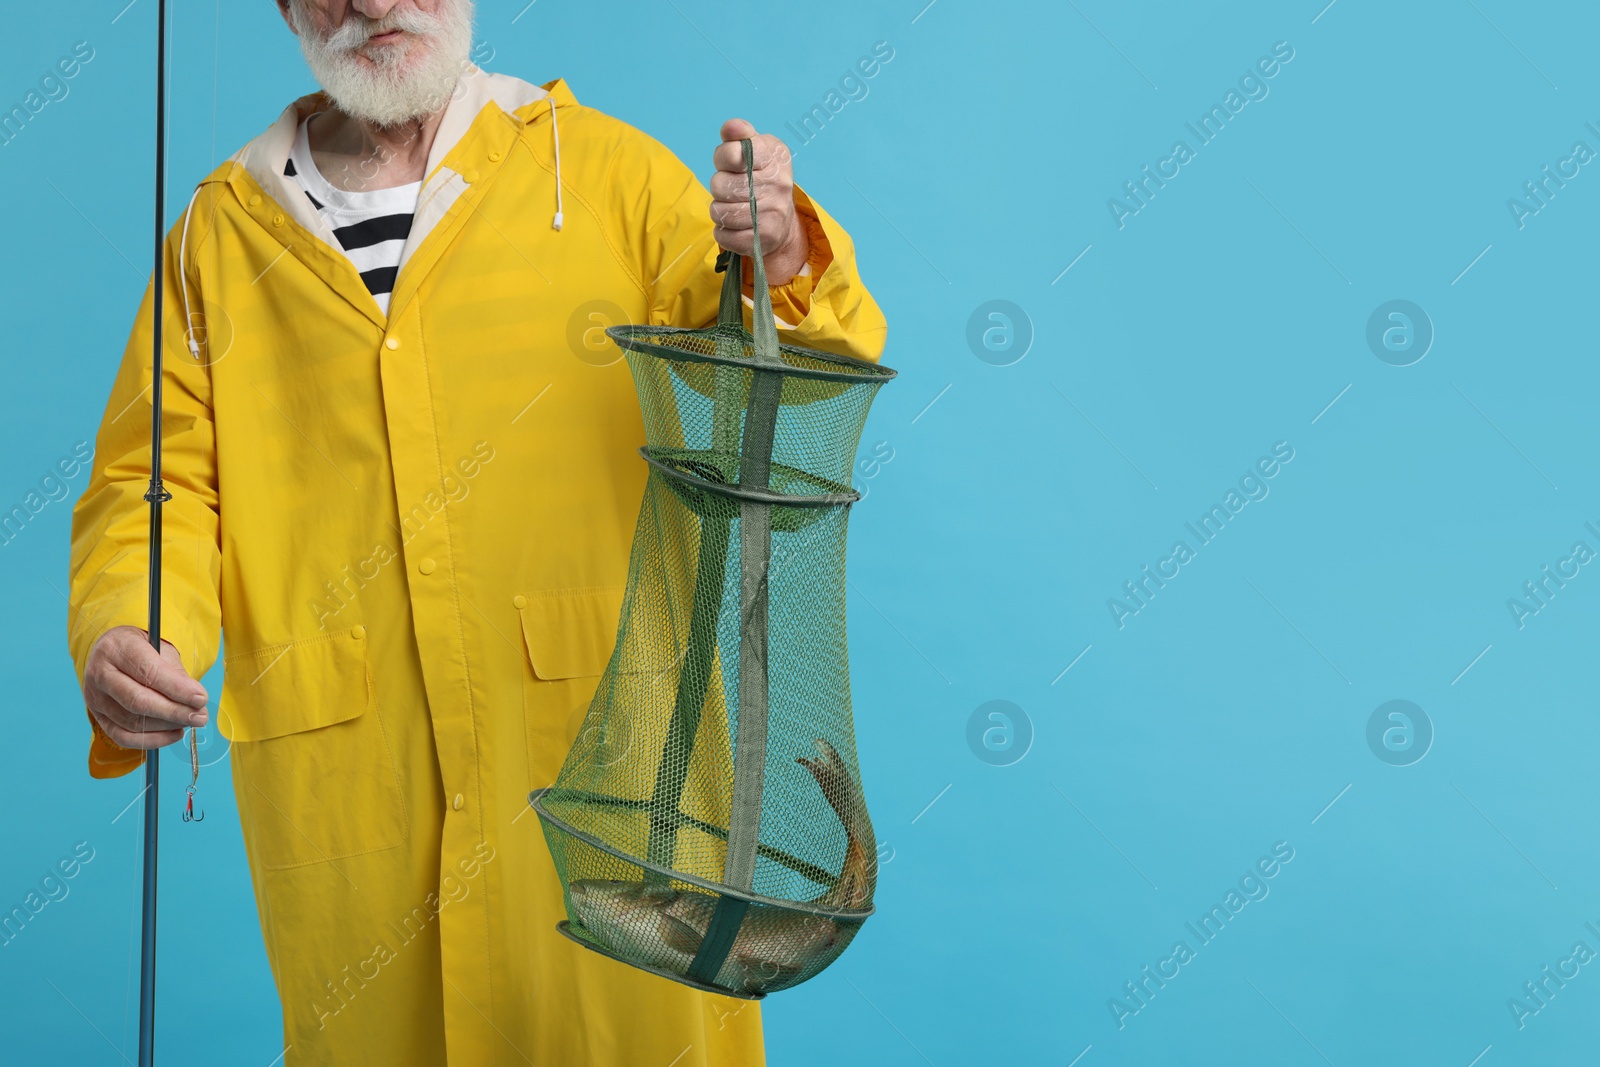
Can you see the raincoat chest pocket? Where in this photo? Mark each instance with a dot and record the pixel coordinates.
(314, 773)
(567, 635)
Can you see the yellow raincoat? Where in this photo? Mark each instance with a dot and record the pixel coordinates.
(415, 532)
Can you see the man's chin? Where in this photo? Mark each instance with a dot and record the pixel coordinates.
(387, 107)
(390, 93)
(382, 118)
(395, 79)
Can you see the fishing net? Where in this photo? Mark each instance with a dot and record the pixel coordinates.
(708, 823)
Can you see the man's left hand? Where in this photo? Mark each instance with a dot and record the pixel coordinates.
(784, 243)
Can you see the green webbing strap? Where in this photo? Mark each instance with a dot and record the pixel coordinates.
(755, 546)
(695, 675)
(724, 927)
(755, 549)
(730, 345)
(730, 326)
(693, 680)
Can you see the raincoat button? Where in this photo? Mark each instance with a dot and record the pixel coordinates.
(359, 632)
(519, 601)
(391, 343)
(255, 201)
(470, 176)
(495, 157)
(426, 565)
(277, 220)
(460, 802)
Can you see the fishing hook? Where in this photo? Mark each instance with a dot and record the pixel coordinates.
(188, 810)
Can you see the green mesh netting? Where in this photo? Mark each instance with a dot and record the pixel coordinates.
(709, 823)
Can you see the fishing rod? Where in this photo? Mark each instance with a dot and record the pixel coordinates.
(157, 495)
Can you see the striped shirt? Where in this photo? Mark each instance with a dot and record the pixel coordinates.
(371, 225)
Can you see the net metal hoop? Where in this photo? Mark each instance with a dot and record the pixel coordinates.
(536, 798)
(570, 932)
(743, 492)
(634, 337)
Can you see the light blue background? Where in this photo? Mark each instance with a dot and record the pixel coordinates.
(1223, 318)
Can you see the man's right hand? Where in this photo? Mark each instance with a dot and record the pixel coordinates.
(140, 699)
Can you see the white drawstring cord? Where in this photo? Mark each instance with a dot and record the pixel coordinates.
(556, 132)
(183, 247)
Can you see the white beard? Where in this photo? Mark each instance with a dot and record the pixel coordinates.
(402, 82)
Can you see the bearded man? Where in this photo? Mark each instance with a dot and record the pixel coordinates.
(403, 463)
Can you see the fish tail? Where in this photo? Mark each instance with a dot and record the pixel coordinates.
(859, 875)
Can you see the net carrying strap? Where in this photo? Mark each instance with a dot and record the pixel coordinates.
(715, 531)
(755, 545)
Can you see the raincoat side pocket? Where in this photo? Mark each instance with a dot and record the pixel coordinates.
(569, 633)
(567, 638)
(314, 773)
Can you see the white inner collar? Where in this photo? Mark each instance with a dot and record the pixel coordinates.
(393, 200)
